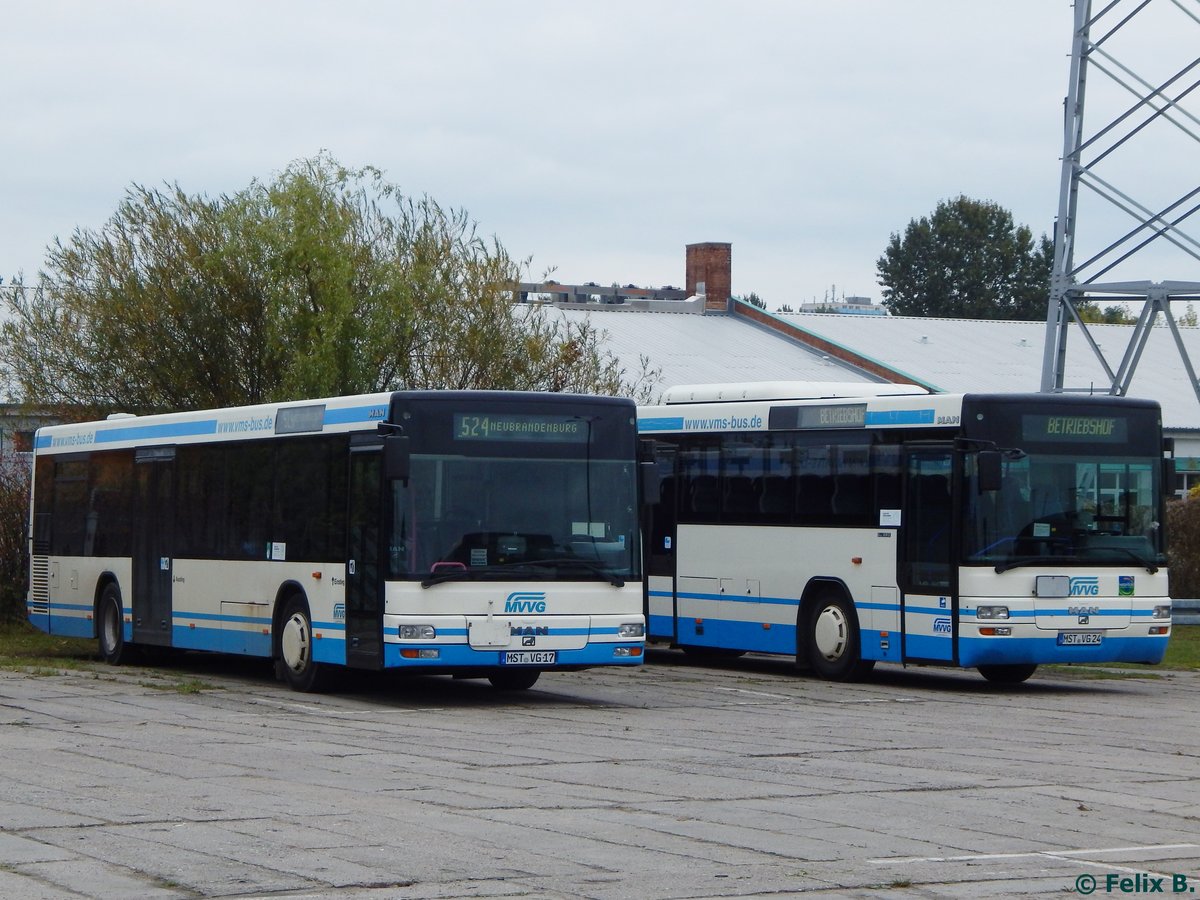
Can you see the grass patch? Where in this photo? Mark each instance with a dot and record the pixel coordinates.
(1183, 649)
(23, 647)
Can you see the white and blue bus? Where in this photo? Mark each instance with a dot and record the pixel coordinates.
(849, 524)
(480, 534)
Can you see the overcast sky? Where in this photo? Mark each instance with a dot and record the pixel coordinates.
(597, 138)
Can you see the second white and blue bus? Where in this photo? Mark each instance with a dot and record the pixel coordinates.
(854, 524)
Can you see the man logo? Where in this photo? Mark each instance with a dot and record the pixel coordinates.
(525, 602)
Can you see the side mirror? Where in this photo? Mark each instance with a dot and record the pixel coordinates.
(990, 465)
(396, 457)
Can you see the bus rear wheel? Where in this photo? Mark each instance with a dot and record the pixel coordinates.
(1013, 674)
(111, 627)
(834, 649)
(514, 679)
(295, 651)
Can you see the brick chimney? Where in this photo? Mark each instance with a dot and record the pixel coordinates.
(710, 264)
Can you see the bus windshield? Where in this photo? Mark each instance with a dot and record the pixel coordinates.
(557, 518)
(1074, 489)
(534, 492)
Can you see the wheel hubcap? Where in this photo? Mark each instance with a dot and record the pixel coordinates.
(295, 643)
(112, 622)
(830, 633)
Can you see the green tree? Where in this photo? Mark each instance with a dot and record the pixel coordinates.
(1113, 314)
(324, 281)
(14, 514)
(967, 260)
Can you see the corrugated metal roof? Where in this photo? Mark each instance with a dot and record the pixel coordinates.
(989, 355)
(952, 355)
(703, 349)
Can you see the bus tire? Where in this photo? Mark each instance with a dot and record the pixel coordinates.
(514, 679)
(1008, 674)
(294, 659)
(110, 626)
(833, 644)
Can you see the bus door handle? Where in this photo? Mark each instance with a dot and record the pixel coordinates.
(350, 568)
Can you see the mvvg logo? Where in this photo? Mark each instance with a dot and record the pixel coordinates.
(525, 602)
(1085, 586)
(941, 625)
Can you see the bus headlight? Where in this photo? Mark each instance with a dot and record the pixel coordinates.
(417, 632)
(1162, 612)
(991, 612)
(632, 630)
(626, 652)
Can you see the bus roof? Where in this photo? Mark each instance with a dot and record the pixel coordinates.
(199, 426)
(783, 390)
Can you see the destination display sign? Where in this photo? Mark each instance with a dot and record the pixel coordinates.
(842, 415)
(1074, 429)
(520, 428)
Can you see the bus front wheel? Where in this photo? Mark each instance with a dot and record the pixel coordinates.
(295, 653)
(111, 620)
(1011, 674)
(834, 649)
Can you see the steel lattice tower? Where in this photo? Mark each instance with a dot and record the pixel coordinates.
(1085, 155)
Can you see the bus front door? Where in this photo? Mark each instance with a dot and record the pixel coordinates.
(153, 544)
(927, 604)
(364, 602)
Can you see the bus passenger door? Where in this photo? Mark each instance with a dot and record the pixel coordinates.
(928, 605)
(364, 601)
(660, 532)
(153, 544)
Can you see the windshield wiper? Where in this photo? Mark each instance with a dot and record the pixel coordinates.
(1141, 560)
(468, 572)
(1015, 561)
(607, 574)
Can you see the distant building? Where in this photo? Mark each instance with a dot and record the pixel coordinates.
(847, 306)
(17, 425)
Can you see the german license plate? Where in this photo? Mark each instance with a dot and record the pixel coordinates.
(529, 657)
(1079, 638)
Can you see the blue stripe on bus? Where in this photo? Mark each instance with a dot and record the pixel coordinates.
(355, 414)
(983, 651)
(149, 432)
(973, 651)
(671, 423)
(900, 417)
(462, 655)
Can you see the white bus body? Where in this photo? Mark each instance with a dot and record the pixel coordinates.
(508, 545)
(849, 524)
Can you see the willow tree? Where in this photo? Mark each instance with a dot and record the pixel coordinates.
(321, 282)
